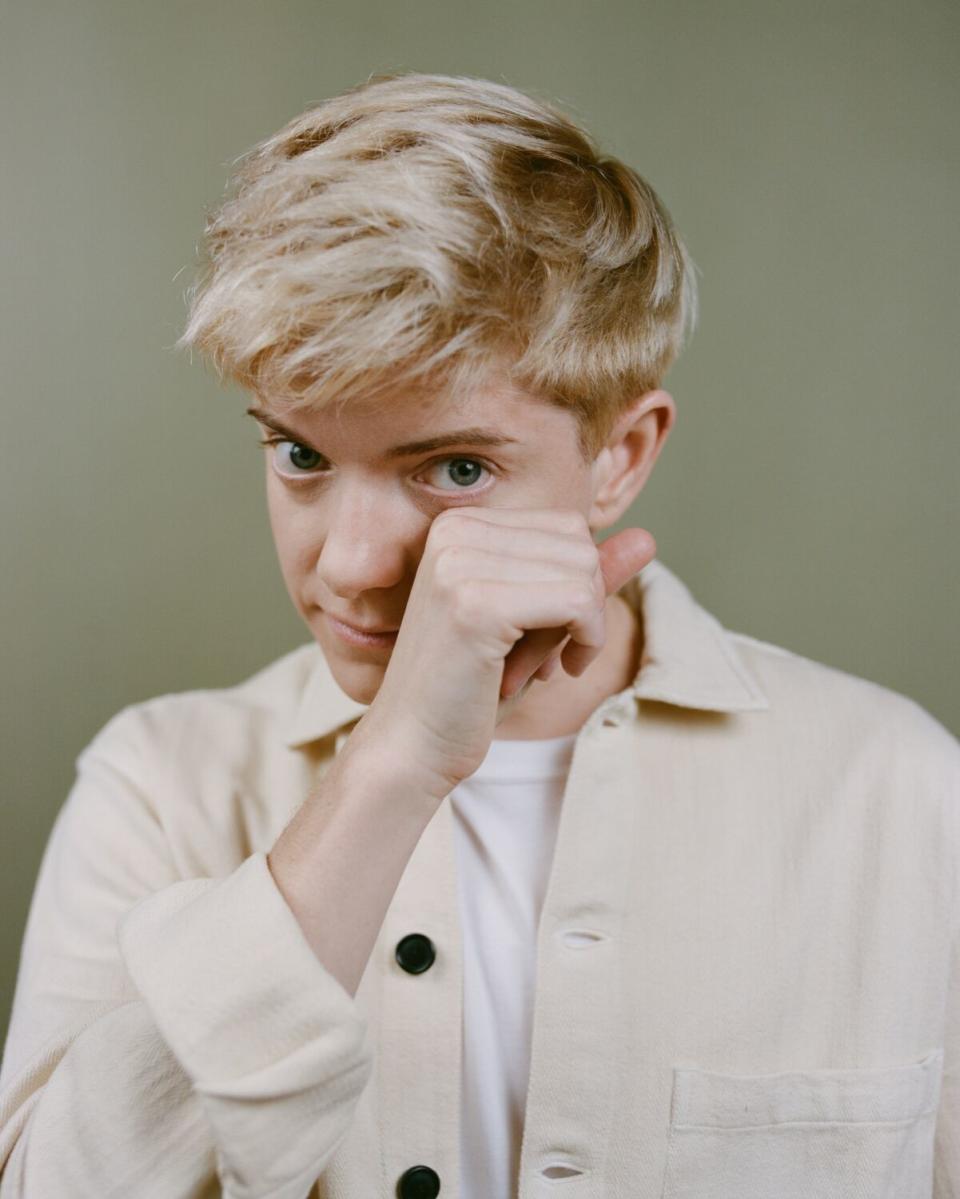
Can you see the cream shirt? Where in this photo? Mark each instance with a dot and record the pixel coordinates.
(747, 958)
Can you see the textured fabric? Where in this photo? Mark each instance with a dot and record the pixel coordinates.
(747, 958)
(505, 826)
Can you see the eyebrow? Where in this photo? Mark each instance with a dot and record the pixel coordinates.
(470, 436)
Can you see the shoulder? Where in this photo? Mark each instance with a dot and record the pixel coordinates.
(208, 722)
(834, 707)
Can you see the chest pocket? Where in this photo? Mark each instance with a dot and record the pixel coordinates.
(804, 1134)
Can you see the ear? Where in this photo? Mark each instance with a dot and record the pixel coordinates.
(624, 464)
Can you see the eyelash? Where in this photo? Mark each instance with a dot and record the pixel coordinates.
(270, 441)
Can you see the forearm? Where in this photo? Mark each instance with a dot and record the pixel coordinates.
(339, 860)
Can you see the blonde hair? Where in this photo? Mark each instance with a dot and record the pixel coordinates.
(429, 231)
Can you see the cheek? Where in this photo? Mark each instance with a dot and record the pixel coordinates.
(279, 520)
(294, 533)
(297, 555)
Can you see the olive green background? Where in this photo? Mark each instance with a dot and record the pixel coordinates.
(807, 494)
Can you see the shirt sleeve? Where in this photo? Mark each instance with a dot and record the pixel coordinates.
(170, 1037)
(946, 1145)
(946, 1165)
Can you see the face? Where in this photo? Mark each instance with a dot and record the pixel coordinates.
(350, 515)
(350, 520)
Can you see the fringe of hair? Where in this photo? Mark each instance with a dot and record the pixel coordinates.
(426, 231)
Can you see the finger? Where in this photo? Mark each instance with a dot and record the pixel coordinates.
(556, 519)
(587, 637)
(550, 666)
(529, 654)
(621, 556)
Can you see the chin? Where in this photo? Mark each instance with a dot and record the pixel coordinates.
(365, 695)
(360, 683)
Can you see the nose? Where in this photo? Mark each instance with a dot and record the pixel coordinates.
(370, 544)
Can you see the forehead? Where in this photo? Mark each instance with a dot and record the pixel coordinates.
(411, 421)
(496, 401)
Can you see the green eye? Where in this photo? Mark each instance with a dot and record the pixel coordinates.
(306, 461)
(297, 453)
(453, 469)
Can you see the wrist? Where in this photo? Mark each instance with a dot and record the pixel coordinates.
(386, 760)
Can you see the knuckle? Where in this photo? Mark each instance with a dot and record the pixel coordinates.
(447, 562)
(585, 599)
(574, 521)
(590, 555)
(466, 605)
(443, 527)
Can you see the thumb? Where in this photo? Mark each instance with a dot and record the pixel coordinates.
(621, 557)
(624, 554)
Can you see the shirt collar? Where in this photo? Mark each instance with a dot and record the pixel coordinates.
(689, 659)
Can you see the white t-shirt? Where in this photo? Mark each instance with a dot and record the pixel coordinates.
(506, 816)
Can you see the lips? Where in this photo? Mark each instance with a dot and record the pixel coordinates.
(360, 640)
(359, 628)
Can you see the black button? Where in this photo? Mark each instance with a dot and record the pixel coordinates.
(415, 953)
(419, 1182)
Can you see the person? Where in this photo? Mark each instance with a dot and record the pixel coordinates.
(543, 878)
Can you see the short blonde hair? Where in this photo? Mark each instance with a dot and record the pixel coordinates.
(429, 230)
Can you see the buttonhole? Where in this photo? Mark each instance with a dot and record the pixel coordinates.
(577, 938)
